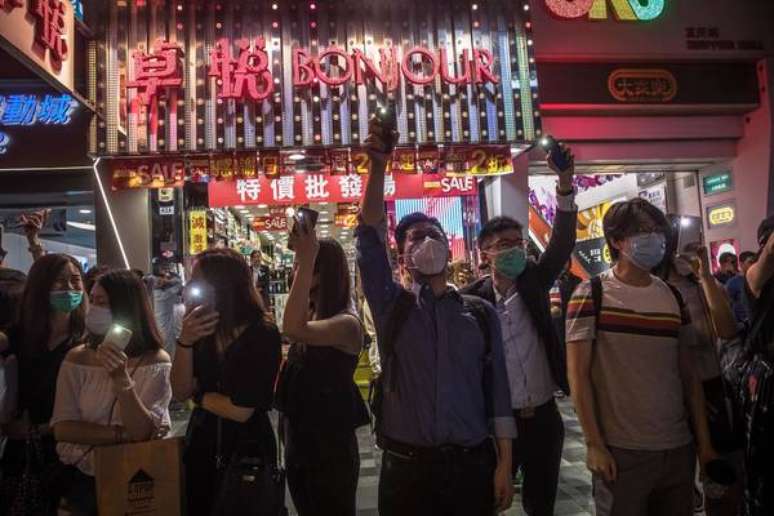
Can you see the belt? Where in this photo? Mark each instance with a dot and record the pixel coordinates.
(430, 453)
(530, 412)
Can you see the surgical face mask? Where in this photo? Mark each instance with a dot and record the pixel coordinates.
(511, 262)
(646, 250)
(98, 320)
(429, 257)
(65, 301)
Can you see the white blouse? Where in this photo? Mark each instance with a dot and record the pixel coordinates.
(85, 393)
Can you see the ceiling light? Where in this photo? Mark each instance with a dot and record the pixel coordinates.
(263, 206)
(81, 225)
(297, 156)
(84, 211)
(239, 207)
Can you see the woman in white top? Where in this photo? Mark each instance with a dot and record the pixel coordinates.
(107, 396)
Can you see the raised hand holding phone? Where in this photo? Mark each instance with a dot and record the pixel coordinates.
(111, 354)
(561, 160)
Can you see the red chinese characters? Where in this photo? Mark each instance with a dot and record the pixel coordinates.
(248, 76)
(11, 4)
(49, 26)
(157, 72)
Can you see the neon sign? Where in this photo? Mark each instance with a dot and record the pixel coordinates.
(5, 141)
(623, 10)
(28, 110)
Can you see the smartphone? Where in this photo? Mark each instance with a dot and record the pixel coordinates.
(388, 119)
(689, 233)
(118, 336)
(200, 295)
(551, 146)
(308, 217)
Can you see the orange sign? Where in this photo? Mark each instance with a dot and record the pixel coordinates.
(634, 85)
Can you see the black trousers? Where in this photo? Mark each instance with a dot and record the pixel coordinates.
(322, 478)
(456, 483)
(538, 450)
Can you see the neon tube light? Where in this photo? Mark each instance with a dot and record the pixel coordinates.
(109, 211)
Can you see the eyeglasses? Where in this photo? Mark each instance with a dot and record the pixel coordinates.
(504, 244)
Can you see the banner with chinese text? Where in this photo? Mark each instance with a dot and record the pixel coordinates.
(317, 188)
(197, 231)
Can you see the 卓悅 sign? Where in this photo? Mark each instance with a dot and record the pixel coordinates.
(43, 32)
(317, 188)
(717, 183)
(242, 75)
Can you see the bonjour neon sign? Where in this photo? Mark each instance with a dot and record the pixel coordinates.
(624, 10)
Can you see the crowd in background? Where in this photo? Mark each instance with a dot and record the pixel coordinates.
(669, 368)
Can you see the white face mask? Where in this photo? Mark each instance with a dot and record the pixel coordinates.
(429, 258)
(98, 320)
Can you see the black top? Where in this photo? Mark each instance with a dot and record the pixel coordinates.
(763, 313)
(317, 390)
(37, 377)
(247, 374)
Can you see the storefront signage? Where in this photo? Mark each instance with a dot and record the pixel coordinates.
(27, 110)
(623, 10)
(721, 215)
(232, 76)
(717, 183)
(694, 87)
(593, 255)
(642, 85)
(197, 231)
(43, 32)
(5, 141)
(160, 173)
(317, 188)
(271, 222)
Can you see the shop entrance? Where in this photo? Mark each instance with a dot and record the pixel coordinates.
(674, 188)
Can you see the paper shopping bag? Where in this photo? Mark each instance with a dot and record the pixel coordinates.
(140, 478)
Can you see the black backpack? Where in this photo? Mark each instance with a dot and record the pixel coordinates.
(386, 340)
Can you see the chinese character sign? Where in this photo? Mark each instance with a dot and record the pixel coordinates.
(246, 77)
(27, 110)
(5, 141)
(50, 27)
(315, 188)
(156, 72)
(197, 231)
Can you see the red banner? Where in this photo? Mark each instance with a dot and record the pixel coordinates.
(317, 188)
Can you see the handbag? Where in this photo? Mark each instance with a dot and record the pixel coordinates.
(251, 484)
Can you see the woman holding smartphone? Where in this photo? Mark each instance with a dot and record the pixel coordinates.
(50, 323)
(227, 359)
(320, 402)
(115, 389)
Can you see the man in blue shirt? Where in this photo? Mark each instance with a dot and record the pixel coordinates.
(736, 288)
(449, 389)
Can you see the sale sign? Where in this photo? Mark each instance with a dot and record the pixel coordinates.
(159, 173)
(317, 188)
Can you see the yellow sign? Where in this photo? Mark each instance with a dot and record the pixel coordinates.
(722, 215)
(197, 231)
(642, 85)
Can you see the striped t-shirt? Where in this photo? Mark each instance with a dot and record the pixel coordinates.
(634, 370)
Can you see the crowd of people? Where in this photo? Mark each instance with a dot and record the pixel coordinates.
(668, 366)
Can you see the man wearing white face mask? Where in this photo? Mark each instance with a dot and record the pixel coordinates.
(444, 388)
(632, 377)
(534, 356)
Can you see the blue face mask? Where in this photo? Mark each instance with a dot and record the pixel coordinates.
(647, 250)
(65, 301)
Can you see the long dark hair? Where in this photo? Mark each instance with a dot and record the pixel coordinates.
(334, 288)
(236, 299)
(34, 324)
(130, 306)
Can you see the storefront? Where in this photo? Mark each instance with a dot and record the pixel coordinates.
(219, 117)
(44, 129)
(665, 100)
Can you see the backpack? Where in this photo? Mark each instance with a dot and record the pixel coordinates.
(722, 418)
(400, 312)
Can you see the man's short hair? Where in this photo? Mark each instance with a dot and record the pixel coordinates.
(765, 229)
(497, 225)
(728, 257)
(621, 221)
(748, 255)
(401, 232)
